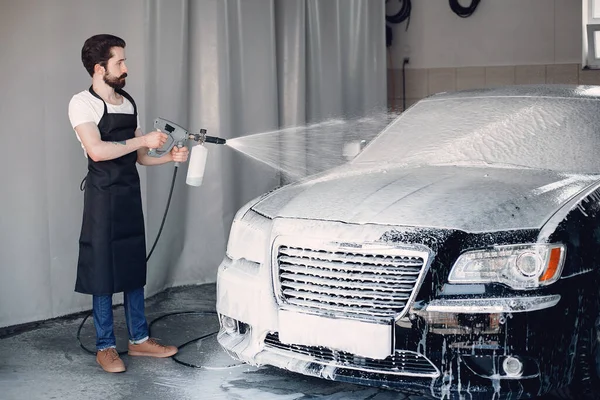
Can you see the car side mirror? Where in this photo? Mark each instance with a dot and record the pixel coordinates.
(351, 149)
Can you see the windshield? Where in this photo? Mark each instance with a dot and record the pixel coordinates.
(561, 134)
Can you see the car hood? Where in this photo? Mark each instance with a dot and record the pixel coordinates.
(472, 199)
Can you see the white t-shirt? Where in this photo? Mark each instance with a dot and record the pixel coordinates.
(85, 107)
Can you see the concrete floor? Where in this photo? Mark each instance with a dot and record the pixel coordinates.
(46, 362)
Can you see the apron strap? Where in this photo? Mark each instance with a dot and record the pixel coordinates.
(119, 91)
(128, 97)
(91, 90)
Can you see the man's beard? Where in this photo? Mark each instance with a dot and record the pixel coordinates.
(115, 82)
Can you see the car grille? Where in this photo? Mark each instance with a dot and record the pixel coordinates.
(362, 283)
(401, 363)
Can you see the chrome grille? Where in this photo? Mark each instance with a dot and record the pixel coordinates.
(401, 363)
(367, 283)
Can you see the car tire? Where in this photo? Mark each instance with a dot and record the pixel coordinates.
(585, 384)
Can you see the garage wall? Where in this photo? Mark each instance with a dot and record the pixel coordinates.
(507, 32)
(503, 42)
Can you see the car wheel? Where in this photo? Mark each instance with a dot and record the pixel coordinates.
(585, 384)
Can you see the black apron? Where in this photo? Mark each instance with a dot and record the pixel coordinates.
(112, 245)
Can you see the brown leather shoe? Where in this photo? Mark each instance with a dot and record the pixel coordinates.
(110, 361)
(151, 348)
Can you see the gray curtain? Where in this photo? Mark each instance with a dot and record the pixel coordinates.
(232, 67)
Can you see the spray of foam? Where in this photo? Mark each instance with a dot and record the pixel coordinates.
(300, 151)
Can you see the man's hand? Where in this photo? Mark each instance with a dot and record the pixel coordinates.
(155, 140)
(180, 154)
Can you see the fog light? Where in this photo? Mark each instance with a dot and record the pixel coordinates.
(229, 324)
(512, 366)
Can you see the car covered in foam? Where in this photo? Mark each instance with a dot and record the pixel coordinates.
(456, 255)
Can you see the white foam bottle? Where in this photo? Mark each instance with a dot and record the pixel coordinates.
(195, 172)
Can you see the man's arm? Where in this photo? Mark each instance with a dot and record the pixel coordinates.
(99, 150)
(142, 153)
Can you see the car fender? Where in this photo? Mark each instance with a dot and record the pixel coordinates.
(576, 223)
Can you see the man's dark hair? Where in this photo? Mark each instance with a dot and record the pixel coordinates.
(96, 50)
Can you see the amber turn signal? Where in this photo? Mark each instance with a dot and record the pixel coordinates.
(553, 263)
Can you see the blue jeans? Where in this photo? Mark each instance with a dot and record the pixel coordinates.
(137, 327)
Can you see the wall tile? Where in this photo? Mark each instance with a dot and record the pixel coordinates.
(589, 77)
(499, 76)
(393, 104)
(530, 74)
(391, 84)
(470, 78)
(567, 74)
(416, 83)
(421, 83)
(441, 80)
(410, 102)
(396, 105)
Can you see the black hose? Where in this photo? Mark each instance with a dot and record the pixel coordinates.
(404, 83)
(461, 11)
(174, 357)
(402, 15)
(165, 214)
(79, 337)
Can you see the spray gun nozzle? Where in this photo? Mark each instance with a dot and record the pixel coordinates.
(203, 138)
(214, 139)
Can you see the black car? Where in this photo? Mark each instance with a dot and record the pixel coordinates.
(457, 255)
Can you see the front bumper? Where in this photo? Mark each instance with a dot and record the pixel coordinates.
(446, 349)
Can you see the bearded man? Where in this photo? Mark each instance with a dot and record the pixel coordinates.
(112, 247)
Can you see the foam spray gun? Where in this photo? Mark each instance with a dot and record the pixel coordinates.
(178, 136)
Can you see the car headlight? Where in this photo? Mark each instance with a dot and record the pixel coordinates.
(249, 237)
(518, 266)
